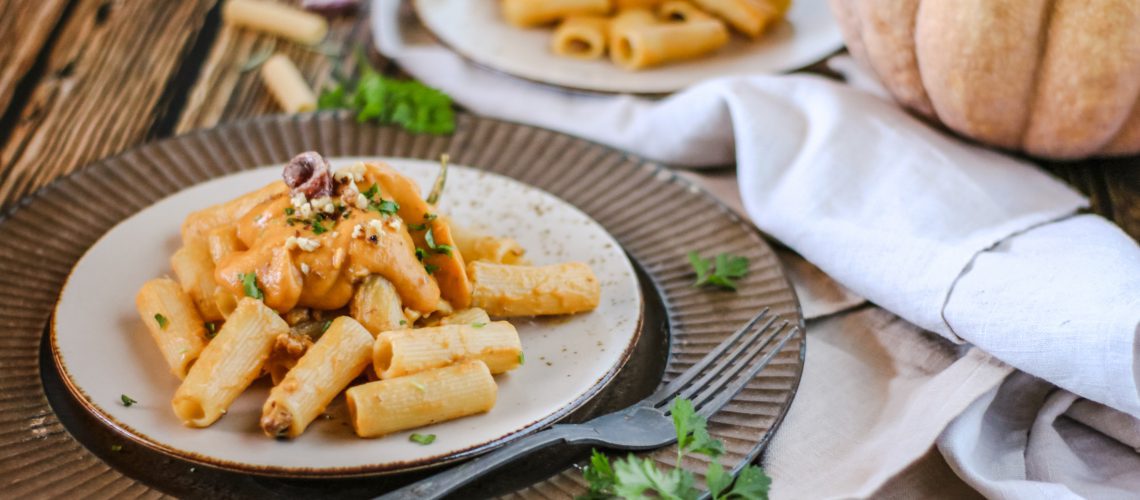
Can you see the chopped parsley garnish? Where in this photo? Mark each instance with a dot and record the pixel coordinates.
(424, 439)
(289, 211)
(326, 325)
(430, 217)
(161, 320)
(431, 268)
(430, 239)
(385, 207)
(211, 329)
(318, 228)
(127, 401)
(249, 285)
(726, 270)
(421, 254)
(116, 448)
(403, 322)
(427, 220)
(419, 386)
(522, 358)
(634, 477)
(409, 104)
(478, 325)
(371, 191)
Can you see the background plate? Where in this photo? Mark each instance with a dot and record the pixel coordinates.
(477, 31)
(655, 215)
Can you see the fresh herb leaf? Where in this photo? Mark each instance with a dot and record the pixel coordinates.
(429, 237)
(717, 480)
(249, 285)
(409, 104)
(161, 320)
(424, 439)
(289, 211)
(636, 476)
(127, 401)
(692, 431)
(385, 207)
(326, 325)
(751, 484)
(726, 270)
(319, 228)
(371, 191)
(431, 268)
(421, 254)
(478, 325)
(599, 475)
(211, 329)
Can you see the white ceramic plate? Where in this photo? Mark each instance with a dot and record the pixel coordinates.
(104, 350)
(476, 30)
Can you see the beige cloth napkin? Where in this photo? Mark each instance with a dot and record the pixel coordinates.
(875, 395)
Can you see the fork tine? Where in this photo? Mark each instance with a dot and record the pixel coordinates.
(726, 394)
(739, 356)
(662, 394)
(699, 392)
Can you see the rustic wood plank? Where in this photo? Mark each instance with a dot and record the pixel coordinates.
(104, 78)
(25, 28)
(223, 92)
(1112, 185)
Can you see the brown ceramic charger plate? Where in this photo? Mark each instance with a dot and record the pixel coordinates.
(50, 446)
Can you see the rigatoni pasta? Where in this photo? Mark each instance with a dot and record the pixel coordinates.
(526, 13)
(277, 19)
(582, 37)
(750, 17)
(173, 323)
(228, 364)
(400, 353)
(508, 291)
(428, 397)
(287, 86)
(340, 356)
(644, 46)
(323, 278)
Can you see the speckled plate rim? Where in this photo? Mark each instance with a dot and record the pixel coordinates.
(37, 436)
(393, 467)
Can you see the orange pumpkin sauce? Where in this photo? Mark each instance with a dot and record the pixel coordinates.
(334, 267)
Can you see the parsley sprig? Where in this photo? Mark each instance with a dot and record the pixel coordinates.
(378, 203)
(249, 285)
(726, 270)
(409, 104)
(634, 477)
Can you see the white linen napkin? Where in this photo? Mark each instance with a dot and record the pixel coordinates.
(893, 209)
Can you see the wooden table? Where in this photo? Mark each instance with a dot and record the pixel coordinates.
(81, 80)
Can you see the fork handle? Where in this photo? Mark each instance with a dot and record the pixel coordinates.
(445, 482)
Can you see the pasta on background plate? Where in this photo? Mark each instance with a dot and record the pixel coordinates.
(347, 282)
(640, 34)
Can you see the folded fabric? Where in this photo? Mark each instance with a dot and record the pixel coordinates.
(1028, 440)
(896, 211)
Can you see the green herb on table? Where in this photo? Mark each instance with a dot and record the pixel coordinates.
(635, 477)
(723, 272)
(127, 401)
(249, 285)
(161, 320)
(424, 439)
(388, 101)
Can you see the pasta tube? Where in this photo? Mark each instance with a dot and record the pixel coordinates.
(750, 17)
(324, 371)
(644, 46)
(387, 406)
(377, 306)
(223, 241)
(405, 352)
(173, 323)
(526, 13)
(466, 317)
(581, 37)
(681, 10)
(489, 248)
(507, 291)
(636, 4)
(198, 224)
(195, 270)
(229, 363)
(277, 19)
(288, 87)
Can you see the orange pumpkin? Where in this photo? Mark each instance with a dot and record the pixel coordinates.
(1054, 78)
